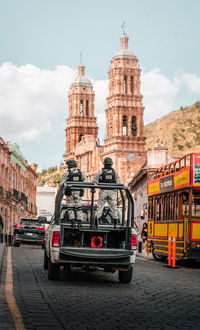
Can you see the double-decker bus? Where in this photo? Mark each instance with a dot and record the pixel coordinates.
(174, 208)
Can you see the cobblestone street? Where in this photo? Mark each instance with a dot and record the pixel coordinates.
(158, 297)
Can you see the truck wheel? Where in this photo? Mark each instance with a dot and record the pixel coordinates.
(53, 271)
(126, 276)
(46, 260)
(16, 244)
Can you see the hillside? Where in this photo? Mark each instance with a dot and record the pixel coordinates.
(50, 176)
(179, 131)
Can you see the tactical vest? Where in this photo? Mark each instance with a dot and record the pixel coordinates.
(107, 176)
(75, 176)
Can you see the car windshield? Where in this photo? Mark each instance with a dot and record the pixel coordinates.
(29, 222)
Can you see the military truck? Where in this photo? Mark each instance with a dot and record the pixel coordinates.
(94, 243)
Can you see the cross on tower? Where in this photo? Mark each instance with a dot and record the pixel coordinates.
(81, 57)
(123, 27)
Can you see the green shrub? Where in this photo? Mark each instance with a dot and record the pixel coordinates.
(181, 135)
(197, 105)
(180, 147)
(188, 144)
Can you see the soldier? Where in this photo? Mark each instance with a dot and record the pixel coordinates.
(107, 175)
(73, 197)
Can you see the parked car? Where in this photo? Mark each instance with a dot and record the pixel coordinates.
(29, 231)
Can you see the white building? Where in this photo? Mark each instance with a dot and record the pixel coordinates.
(45, 201)
(156, 157)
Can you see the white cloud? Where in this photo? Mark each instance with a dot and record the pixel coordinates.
(101, 92)
(34, 102)
(159, 94)
(191, 81)
(31, 99)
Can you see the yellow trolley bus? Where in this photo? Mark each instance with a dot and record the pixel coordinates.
(174, 207)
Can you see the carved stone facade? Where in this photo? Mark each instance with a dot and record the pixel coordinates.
(17, 186)
(124, 141)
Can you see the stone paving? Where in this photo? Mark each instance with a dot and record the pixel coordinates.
(157, 298)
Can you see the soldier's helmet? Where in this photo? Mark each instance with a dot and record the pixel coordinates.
(108, 161)
(71, 163)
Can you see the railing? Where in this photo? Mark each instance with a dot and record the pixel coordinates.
(24, 198)
(127, 210)
(15, 193)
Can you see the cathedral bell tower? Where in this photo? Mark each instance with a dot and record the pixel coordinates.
(124, 140)
(81, 120)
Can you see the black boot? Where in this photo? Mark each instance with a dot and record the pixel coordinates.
(79, 222)
(115, 222)
(73, 222)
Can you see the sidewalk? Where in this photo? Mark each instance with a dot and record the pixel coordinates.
(2, 246)
(142, 254)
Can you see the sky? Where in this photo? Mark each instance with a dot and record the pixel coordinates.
(40, 45)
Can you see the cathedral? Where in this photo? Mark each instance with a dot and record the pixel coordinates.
(124, 141)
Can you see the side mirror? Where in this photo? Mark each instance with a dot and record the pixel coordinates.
(42, 219)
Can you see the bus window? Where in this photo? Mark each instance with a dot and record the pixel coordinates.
(157, 209)
(170, 207)
(150, 208)
(166, 208)
(196, 204)
(185, 204)
(161, 208)
(175, 207)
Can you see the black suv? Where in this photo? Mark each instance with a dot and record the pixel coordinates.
(29, 231)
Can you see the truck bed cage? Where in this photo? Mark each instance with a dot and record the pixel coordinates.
(125, 194)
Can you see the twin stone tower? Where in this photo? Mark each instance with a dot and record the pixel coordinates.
(124, 141)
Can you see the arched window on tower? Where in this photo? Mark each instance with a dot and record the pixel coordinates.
(87, 108)
(124, 125)
(133, 126)
(81, 107)
(125, 84)
(132, 84)
(80, 137)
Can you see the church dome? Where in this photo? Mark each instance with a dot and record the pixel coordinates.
(124, 50)
(81, 79)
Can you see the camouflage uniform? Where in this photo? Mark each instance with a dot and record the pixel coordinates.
(108, 196)
(73, 202)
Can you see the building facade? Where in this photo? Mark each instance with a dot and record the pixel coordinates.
(156, 157)
(17, 186)
(124, 141)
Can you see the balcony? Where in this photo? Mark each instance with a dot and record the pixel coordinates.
(24, 198)
(15, 194)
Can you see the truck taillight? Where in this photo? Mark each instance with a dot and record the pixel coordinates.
(56, 239)
(134, 242)
(41, 227)
(96, 241)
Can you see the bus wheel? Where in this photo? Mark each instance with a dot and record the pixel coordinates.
(158, 257)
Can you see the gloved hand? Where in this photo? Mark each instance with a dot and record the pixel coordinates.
(81, 192)
(68, 191)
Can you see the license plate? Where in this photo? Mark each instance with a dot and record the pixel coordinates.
(29, 234)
